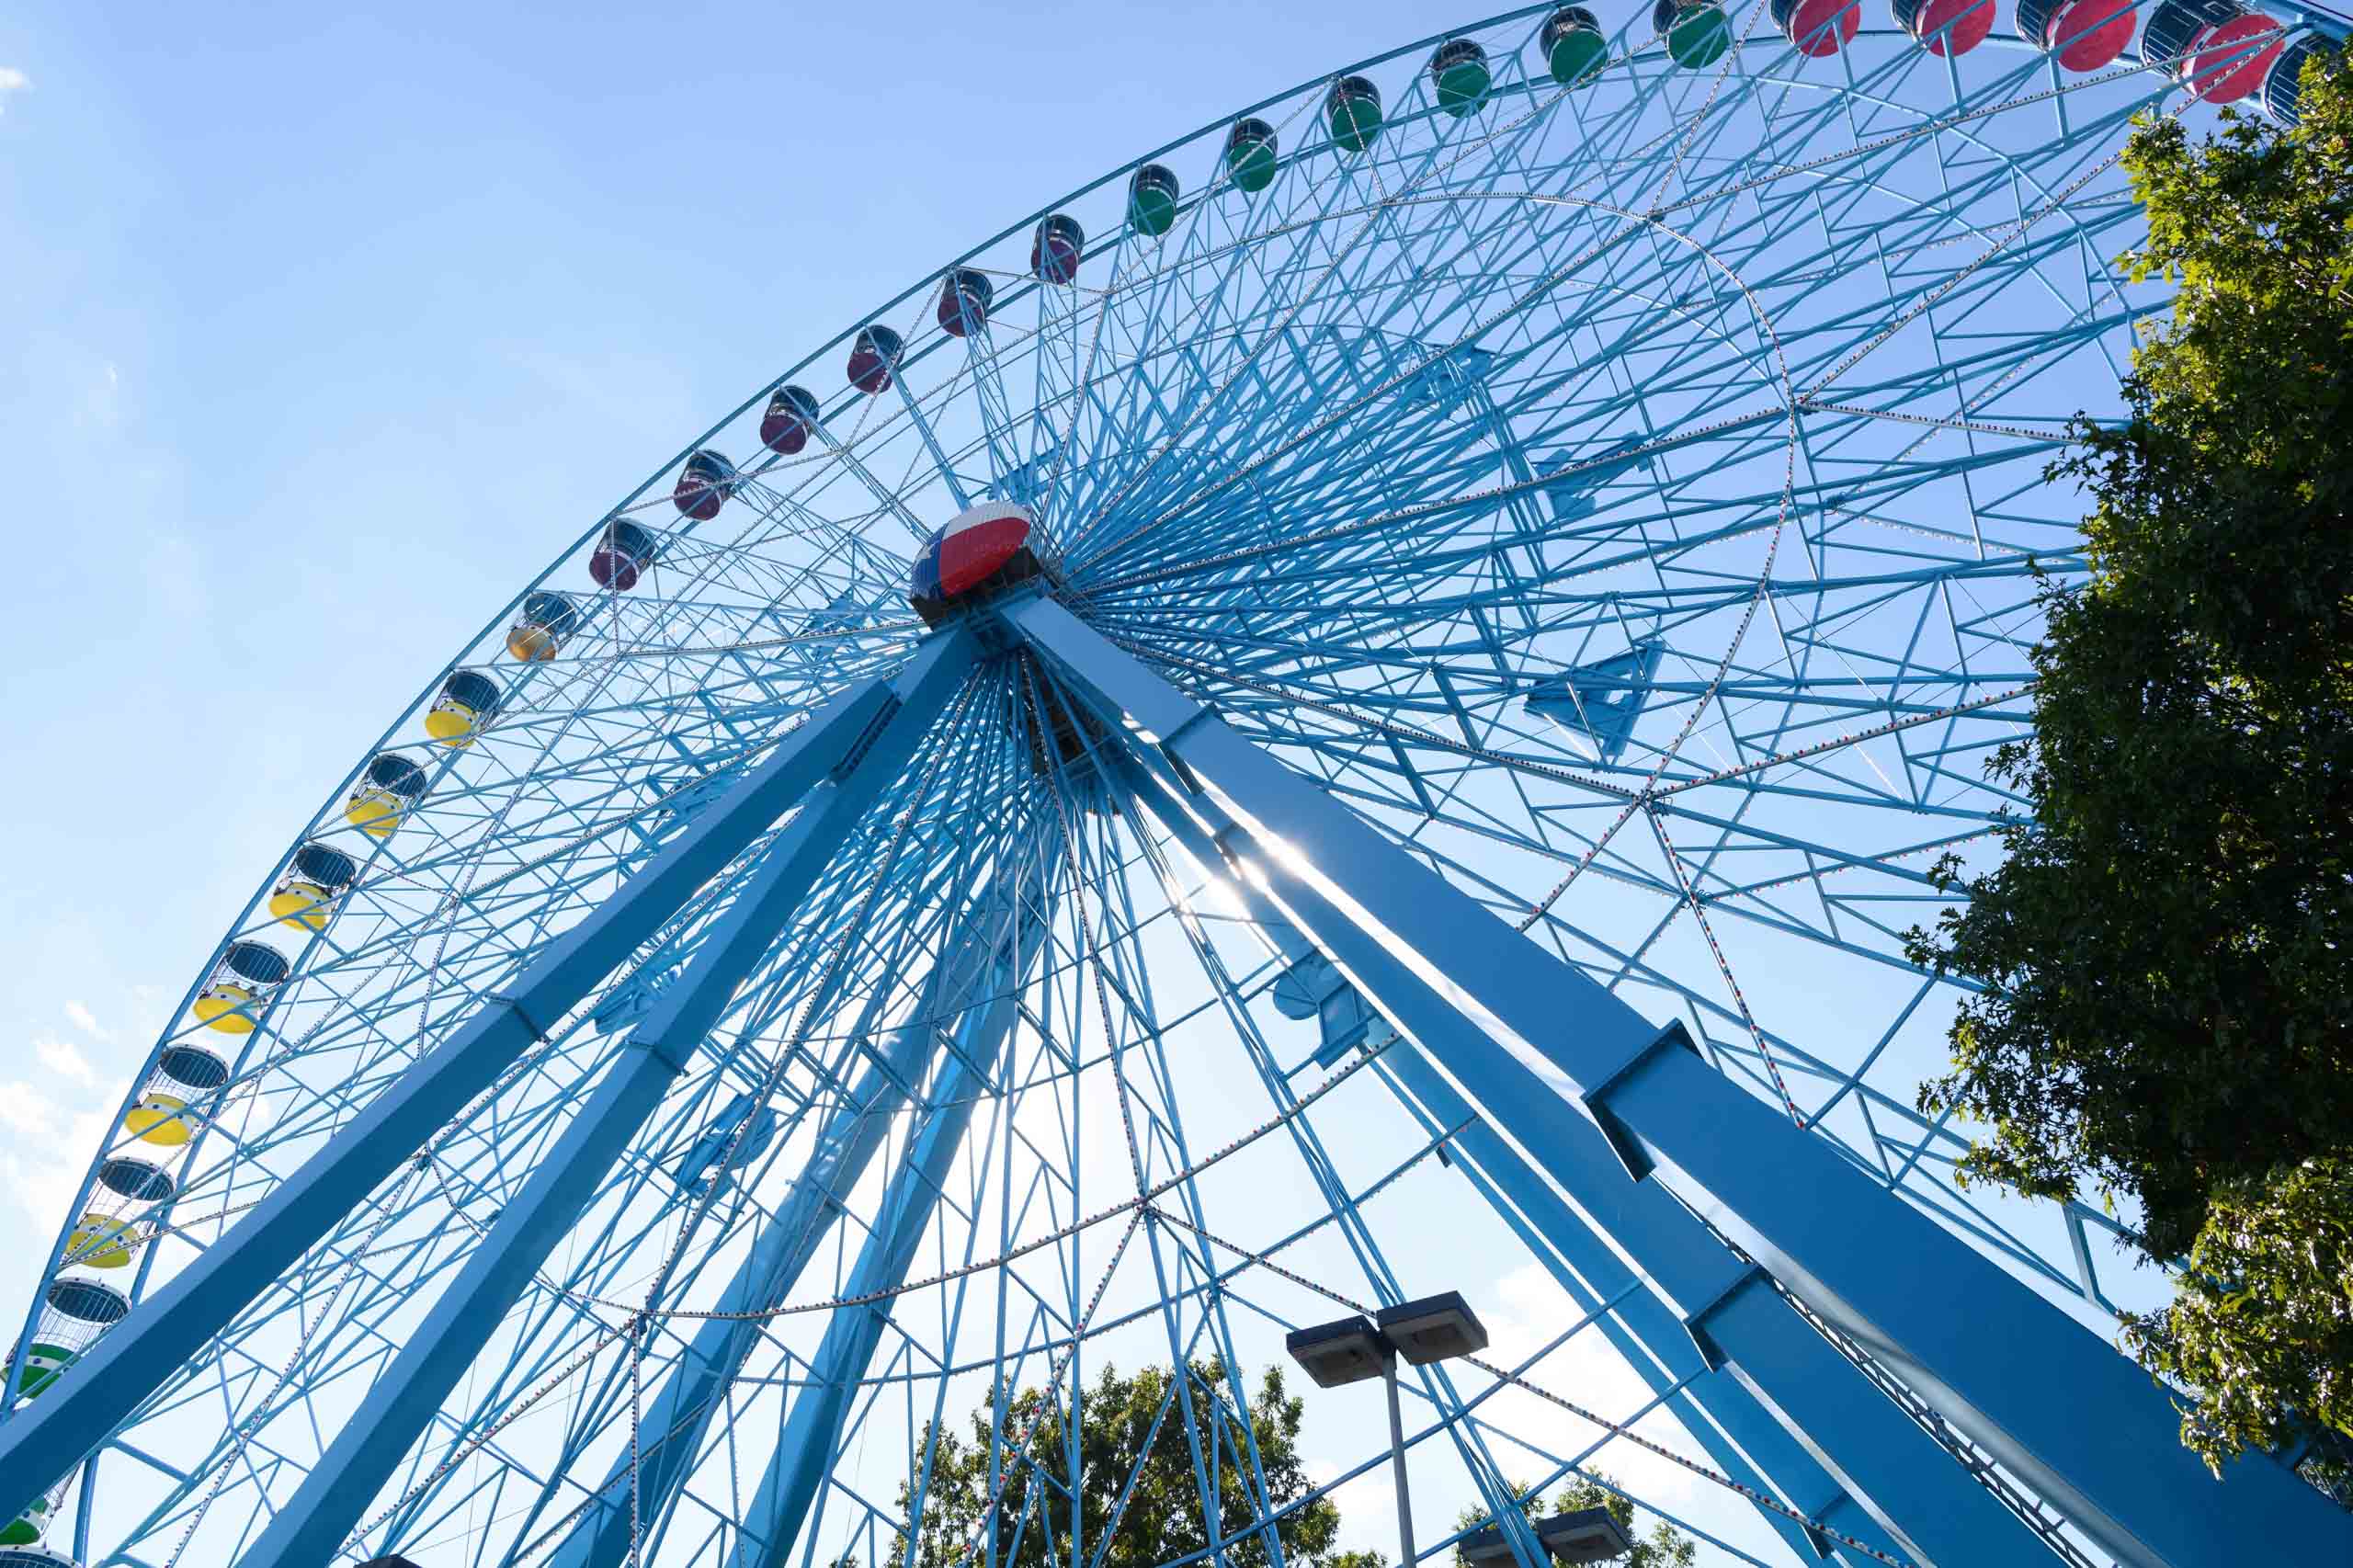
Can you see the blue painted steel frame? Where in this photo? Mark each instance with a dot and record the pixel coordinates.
(2079, 1424)
(1735, 1429)
(804, 1454)
(1881, 1479)
(1254, 417)
(46, 1440)
(681, 1409)
(314, 1524)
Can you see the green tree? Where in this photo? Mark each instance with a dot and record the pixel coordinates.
(1124, 1431)
(2164, 947)
(1664, 1547)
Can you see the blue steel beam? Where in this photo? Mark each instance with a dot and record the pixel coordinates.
(1862, 1450)
(1736, 1429)
(1554, 1057)
(758, 1007)
(682, 1408)
(312, 1527)
(804, 1453)
(931, 442)
(171, 1327)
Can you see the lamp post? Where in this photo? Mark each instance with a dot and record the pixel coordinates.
(1575, 1535)
(1351, 1349)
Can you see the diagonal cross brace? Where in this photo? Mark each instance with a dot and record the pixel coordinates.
(1887, 1484)
(312, 1526)
(2056, 1405)
(792, 1482)
(43, 1440)
(975, 968)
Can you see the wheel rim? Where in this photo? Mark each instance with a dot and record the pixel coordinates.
(1638, 531)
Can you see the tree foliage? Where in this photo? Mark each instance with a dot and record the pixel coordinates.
(2163, 946)
(1131, 1426)
(1664, 1547)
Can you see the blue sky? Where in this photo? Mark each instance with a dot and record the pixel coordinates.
(321, 329)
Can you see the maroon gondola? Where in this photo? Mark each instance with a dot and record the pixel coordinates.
(792, 417)
(873, 357)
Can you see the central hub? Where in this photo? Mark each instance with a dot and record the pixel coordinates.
(982, 549)
(983, 552)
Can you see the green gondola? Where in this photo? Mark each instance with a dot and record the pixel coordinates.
(25, 1529)
(1151, 199)
(1354, 109)
(1458, 70)
(44, 1364)
(1250, 155)
(1697, 32)
(1574, 51)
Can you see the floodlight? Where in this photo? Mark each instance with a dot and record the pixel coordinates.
(1580, 1535)
(1347, 1351)
(1436, 1328)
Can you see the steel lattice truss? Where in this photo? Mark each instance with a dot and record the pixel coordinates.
(1628, 501)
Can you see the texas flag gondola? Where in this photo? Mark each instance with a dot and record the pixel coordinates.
(987, 545)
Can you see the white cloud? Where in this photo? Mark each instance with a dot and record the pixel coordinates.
(102, 405)
(1368, 1505)
(86, 1021)
(31, 1115)
(149, 1009)
(63, 1059)
(1530, 1310)
(12, 81)
(50, 1145)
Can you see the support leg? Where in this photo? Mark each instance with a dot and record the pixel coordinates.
(804, 1454)
(1729, 1422)
(311, 1528)
(682, 1408)
(43, 1440)
(1556, 1058)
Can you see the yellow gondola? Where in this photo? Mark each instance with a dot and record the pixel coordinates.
(217, 1005)
(373, 811)
(316, 876)
(451, 724)
(231, 999)
(300, 904)
(384, 793)
(468, 699)
(101, 1243)
(160, 1119)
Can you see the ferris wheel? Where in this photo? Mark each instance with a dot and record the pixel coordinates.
(1384, 681)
